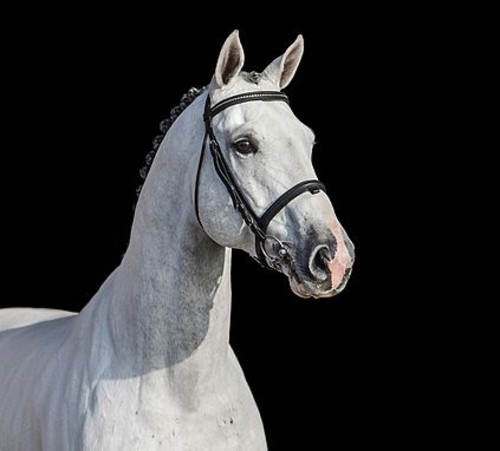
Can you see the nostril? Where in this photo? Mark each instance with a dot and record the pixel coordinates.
(322, 258)
(318, 264)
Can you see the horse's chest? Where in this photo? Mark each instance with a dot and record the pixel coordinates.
(124, 418)
(194, 432)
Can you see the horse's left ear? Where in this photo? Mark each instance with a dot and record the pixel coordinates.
(282, 70)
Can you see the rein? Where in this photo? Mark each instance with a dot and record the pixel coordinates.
(258, 225)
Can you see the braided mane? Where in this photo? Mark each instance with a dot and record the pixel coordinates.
(186, 100)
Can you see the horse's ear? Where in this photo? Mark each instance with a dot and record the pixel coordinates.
(282, 69)
(231, 59)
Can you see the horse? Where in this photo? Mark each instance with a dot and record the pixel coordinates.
(147, 364)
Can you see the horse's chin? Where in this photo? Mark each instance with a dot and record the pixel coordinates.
(303, 291)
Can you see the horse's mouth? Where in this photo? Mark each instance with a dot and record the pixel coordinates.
(308, 289)
(298, 288)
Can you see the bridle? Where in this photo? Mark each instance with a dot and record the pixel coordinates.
(258, 225)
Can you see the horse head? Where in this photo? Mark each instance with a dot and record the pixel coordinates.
(262, 154)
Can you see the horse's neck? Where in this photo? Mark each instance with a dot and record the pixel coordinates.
(169, 306)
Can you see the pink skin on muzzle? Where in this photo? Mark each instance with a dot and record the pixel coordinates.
(342, 261)
(339, 267)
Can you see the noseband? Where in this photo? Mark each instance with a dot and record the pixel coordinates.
(258, 225)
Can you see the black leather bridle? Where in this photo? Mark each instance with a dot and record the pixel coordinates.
(258, 225)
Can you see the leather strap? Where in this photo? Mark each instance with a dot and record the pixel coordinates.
(264, 96)
(313, 186)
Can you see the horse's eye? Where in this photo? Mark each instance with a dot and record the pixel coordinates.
(244, 146)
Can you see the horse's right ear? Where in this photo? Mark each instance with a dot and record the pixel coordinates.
(230, 62)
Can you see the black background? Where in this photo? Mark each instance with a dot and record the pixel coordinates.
(85, 94)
